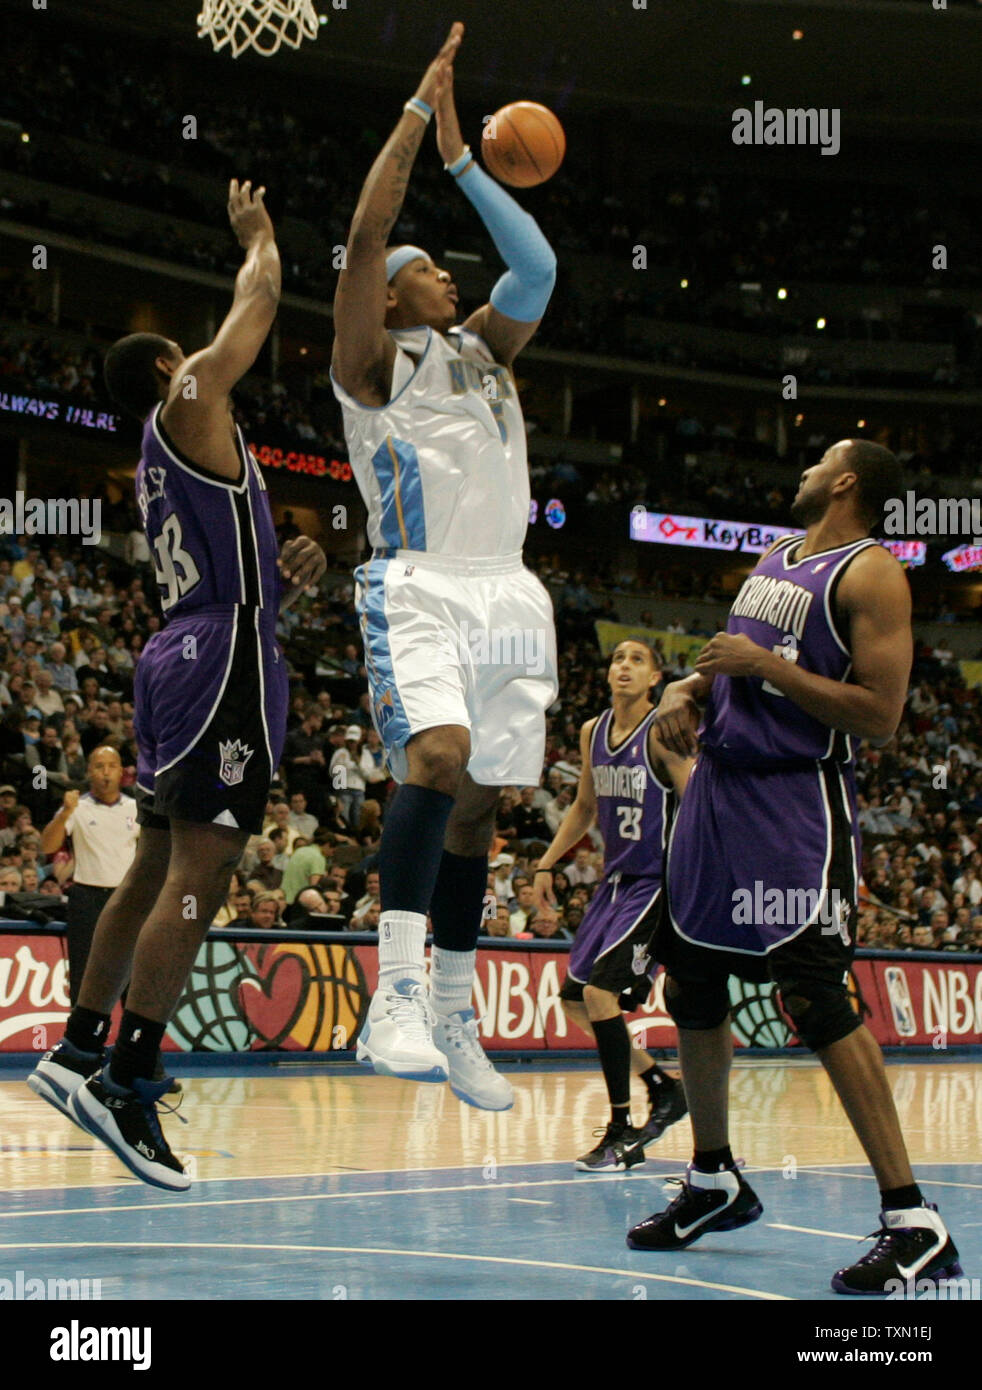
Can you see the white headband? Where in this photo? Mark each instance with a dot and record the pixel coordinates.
(401, 256)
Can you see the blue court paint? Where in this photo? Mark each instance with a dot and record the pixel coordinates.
(537, 1231)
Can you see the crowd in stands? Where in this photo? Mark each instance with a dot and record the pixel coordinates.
(920, 801)
(73, 626)
(704, 227)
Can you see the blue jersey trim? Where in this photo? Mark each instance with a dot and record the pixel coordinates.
(388, 712)
(403, 522)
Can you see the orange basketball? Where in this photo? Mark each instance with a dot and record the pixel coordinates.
(523, 144)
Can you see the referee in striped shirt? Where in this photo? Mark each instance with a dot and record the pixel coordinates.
(104, 830)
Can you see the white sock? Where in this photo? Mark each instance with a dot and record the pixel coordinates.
(401, 947)
(451, 978)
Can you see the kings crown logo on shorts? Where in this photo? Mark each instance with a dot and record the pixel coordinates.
(234, 757)
(641, 961)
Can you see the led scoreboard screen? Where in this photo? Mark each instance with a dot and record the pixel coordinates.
(745, 537)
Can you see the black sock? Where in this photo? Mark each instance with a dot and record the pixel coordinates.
(712, 1160)
(135, 1053)
(899, 1198)
(457, 904)
(620, 1115)
(614, 1047)
(86, 1029)
(654, 1078)
(411, 847)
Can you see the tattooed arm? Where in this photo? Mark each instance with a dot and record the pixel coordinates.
(363, 351)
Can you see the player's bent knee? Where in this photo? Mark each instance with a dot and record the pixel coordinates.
(699, 1005)
(438, 758)
(600, 1003)
(820, 1014)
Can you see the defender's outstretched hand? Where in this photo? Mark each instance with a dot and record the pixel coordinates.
(247, 213)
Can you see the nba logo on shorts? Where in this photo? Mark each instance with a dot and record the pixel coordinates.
(641, 961)
(234, 757)
(383, 711)
(900, 1001)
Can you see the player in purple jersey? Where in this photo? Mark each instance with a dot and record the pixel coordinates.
(817, 653)
(211, 697)
(628, 785)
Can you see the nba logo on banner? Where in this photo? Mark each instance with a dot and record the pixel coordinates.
(901, 1004)
(234, 757)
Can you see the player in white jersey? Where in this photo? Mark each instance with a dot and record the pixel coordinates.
(459, 638)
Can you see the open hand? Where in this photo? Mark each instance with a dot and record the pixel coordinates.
(428, 88)
(247, 213)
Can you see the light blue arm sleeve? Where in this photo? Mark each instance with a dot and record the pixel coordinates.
(523, 291)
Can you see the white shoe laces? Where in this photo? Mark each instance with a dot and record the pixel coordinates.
(412, 1013)
(463, 1035)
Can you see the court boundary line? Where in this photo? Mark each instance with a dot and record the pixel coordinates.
(129, 1185)
(408, 1254)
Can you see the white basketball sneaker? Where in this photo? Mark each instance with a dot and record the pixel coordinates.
(472, 1077)
(397, 1039)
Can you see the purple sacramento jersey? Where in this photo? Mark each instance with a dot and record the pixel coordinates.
(631, 802)
(211, 687)
(789, 606)
(212, 540)
(611, 947)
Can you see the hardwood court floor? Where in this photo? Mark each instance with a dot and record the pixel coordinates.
(344, 1184)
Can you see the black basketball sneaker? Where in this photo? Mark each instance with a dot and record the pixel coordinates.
(125, 1120)
(620, 1148)
(668, 1106)
(911, 1245)
(708, 1202)
(60, 1072)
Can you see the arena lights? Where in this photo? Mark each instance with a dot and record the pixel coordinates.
(662, 400)
(819, 323)
(963, 558)
(782, 294)
(683, 284)
(860, 424)
(745, 80)
(797, 34)
(25, 139)
(553, 511)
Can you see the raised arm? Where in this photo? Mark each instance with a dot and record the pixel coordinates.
(363, 351)
(195, 414)
(519, 298)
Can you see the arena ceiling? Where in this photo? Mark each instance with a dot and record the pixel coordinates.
(892, 67)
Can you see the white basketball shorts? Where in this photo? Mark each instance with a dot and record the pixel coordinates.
(452, 640)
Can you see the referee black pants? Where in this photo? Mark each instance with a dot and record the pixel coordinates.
(84, 906)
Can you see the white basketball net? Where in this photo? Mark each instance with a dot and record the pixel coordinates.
(259, 24)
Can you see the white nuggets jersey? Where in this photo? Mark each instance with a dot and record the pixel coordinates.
(443, 467)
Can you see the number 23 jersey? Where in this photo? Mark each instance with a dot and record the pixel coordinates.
(212, 539)
(634, 809)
